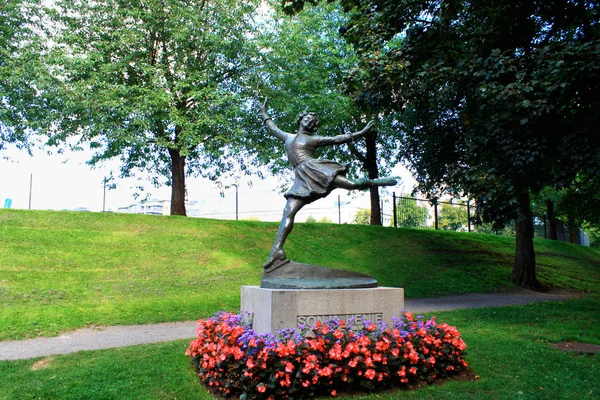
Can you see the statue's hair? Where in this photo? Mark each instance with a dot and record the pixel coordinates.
(305, 113)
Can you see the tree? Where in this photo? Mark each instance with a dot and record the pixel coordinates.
(498, 97)
(304, 61)
(157, 83)
(20, 45)
(593, 232)
(453, 217)
(543, 203)
(579, 203)
(362, 217)
(409, 214)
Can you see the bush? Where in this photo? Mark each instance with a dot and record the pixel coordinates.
(234, 360)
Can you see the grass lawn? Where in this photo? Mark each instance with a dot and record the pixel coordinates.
(508, 348)
(64, 270)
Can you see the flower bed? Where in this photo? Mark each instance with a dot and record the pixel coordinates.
(324, 359)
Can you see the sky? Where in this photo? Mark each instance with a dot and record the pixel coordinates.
(66, 182)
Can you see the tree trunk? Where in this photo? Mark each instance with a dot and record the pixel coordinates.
(373, 173)
(375, 206)
(524, 266)
(572, 228)
(177, 182)
(551, 220)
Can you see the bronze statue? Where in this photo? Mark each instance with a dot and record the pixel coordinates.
(314, 178)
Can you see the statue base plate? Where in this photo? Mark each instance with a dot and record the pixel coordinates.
(294, 275)
(274, 309)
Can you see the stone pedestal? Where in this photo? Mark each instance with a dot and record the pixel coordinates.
(274, 309)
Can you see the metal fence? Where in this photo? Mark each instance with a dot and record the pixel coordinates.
(411, 212)
(232, 202)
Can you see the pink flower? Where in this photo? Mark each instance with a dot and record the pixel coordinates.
(370, 373)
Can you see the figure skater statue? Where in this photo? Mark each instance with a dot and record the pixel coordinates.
(314, 178)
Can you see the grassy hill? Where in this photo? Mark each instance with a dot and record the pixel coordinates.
(63, 270)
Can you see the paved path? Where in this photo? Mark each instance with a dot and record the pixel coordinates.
(121, 336)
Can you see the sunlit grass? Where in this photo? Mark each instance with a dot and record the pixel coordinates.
(64, 270)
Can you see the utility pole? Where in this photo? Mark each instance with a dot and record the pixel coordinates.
(30, 188)
(339, 210)
(236, 200)
(104, 197)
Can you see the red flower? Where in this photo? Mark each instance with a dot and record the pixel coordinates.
(289, 367)
(236, 366)
(402, 372)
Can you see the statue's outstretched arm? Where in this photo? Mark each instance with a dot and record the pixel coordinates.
(340, 139)
(281, 135)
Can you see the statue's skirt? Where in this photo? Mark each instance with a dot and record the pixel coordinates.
(314, 179)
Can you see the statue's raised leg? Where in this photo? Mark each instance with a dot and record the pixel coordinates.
(343, 182)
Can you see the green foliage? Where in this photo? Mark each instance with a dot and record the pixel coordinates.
(507, 230)
(311, 219)
(498, 98)
(157, 84)
(578, 204)
(362, 217)
(410, 214)
(580, 201)
(304, 60)
(453, 217)
(21, 42)
(593, 232)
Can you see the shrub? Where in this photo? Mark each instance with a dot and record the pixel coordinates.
(234, 360)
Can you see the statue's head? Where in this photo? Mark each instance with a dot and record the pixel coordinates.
(309, 121)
